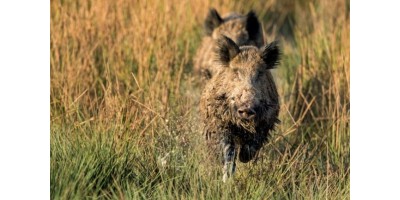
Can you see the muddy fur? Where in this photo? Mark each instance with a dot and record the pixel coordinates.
(242, 81)
(242, 29)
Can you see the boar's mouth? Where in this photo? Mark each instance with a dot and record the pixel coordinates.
(249, 124)
(263, 112)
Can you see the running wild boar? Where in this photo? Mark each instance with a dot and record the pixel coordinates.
(239, 105)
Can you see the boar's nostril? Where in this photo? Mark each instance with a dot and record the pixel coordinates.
(246, 113)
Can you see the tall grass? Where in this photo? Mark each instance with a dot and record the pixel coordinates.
(124, 102)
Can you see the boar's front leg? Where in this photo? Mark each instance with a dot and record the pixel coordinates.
(248, 151)
(229, 156)
(251, 146)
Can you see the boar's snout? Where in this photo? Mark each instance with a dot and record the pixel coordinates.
(246, 104)
(246, 112)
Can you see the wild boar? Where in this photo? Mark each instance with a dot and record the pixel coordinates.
(239, 105)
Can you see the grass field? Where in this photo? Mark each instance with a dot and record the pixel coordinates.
(124, 102)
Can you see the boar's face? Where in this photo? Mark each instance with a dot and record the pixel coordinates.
(248, 84)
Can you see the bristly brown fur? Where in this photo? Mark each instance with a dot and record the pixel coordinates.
(229, 89)
(271, 55)
(213, 20)
(240, 103)
(225, 50)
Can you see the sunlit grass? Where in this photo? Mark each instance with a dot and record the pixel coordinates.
(124, 102)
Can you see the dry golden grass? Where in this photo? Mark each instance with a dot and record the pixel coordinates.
(123, 96)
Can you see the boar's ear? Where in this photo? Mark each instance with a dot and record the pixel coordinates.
(271, 54)
(253, 26)
(213, 20)
(225, 50)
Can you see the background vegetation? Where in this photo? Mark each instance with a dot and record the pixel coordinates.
(124, 102)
